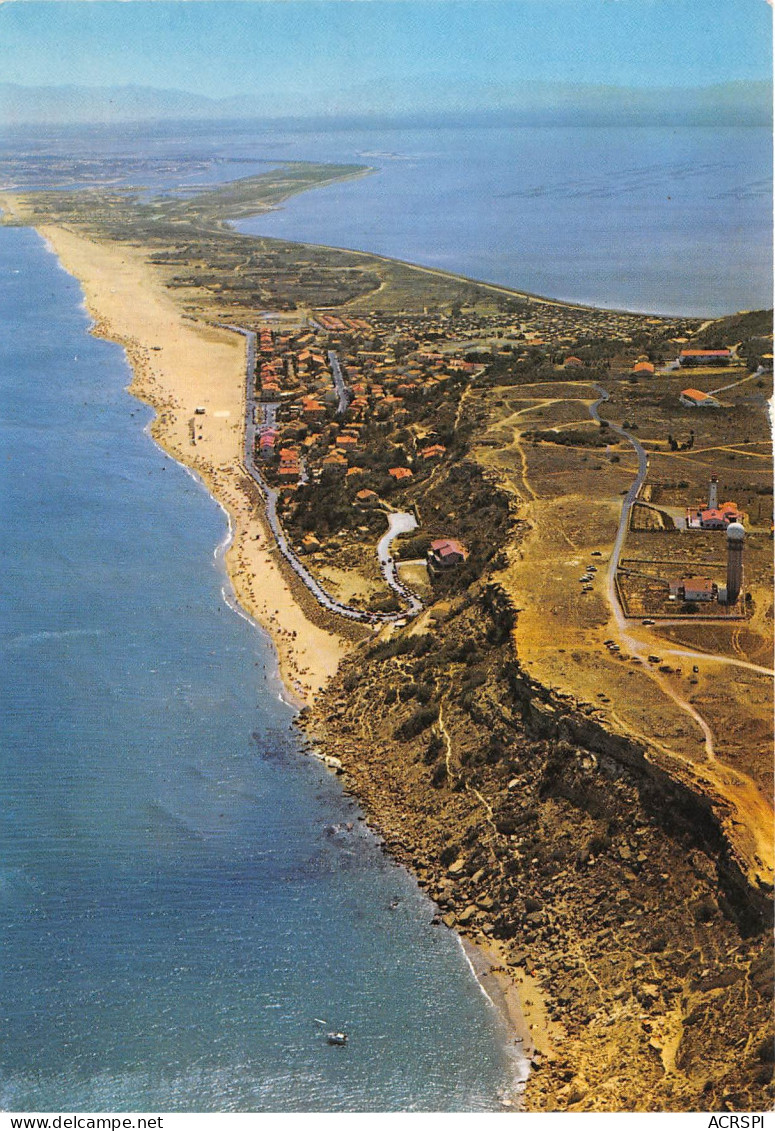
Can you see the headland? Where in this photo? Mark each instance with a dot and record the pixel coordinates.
(577, 800)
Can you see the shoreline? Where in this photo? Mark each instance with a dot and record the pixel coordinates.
(178, 365)
(524, 1018)
(229, 225)
(308, 655)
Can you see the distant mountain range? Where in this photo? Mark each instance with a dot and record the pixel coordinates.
(415, 100)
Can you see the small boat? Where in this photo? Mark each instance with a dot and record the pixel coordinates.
(335, 1038)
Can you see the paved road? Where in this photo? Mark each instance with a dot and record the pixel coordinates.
(740, 381)
(398, 523)
(341, 388)
(709, 658)
(271, 497)
(632, 494)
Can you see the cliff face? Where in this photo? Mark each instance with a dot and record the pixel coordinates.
(559, 719)
(533, 827)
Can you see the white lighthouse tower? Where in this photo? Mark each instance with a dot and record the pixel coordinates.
(713, 494)
(735, 543)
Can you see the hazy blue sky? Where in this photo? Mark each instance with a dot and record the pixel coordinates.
(221, 48)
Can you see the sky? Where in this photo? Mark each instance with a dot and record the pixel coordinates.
(220, 48)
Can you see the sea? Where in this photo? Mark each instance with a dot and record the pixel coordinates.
(189, 900)
(661, 221)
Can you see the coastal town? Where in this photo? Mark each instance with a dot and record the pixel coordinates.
(347, 421)
(516, 558)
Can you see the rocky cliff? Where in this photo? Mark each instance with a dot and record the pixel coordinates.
(569, 849)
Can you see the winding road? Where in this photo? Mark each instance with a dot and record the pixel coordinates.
(749, 812)
(624, 520)
(637, 647)
(397, 523)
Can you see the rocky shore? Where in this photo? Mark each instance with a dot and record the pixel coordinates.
(645, 961)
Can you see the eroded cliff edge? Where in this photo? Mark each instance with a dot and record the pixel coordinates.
(566, 847)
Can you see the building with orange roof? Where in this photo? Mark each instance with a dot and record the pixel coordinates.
(693, 589)
(290, 471)
(713, 518)
(266, 446)
(687, 358)
(399, 473)
(310, 543)
(335, 460)
(312, 409)
(695, 398)
(366, 498)
(446, 553)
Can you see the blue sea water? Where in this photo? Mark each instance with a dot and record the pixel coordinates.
(660, 220)
(667, 220)
(181, 895)
(183, 892)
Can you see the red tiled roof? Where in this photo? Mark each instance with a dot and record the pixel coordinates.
(698, 584)
(705, 353)
(445, 546)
